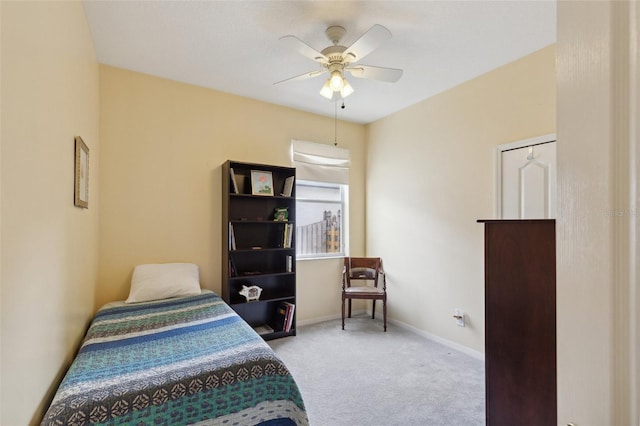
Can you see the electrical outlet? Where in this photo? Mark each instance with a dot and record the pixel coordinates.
(459, 316)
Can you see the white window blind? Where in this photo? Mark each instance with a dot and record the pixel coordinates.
(319, 162)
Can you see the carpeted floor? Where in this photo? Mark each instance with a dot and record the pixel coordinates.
(363, 376)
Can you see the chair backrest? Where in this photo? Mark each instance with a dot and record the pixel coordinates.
(362, 268)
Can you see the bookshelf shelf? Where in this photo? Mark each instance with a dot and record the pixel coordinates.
(275, 197)
(258, 250)
(260, 275)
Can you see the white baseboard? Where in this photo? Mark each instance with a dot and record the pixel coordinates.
(453, 345)
(328, 318)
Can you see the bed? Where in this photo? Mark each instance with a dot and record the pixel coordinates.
(177, 361)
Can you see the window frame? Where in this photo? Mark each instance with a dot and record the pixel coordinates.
(343, 203)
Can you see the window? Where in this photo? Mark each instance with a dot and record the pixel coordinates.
(322, 194)
(321, 212)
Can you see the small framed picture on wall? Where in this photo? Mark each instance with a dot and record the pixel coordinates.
(81, 190)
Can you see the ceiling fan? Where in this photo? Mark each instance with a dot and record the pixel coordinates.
(337, 59)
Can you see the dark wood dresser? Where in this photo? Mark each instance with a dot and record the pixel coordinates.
(520, 322)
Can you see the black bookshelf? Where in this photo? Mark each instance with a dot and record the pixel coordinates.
(256, 249)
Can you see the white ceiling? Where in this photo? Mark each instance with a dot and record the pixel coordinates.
(234, 47)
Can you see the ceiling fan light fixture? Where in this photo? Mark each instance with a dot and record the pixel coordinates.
(336, 58)
(326, 90)
(336, 81)
(330, 93)
(346, 89)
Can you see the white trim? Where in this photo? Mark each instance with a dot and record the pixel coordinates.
(445, 342)
(453, 345)
(624, 95)
(318, 320)
(538, 140)
(634, 109)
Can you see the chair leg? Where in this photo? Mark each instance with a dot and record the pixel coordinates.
(373, 309)
(349, 308)
(384, 313)
(343, 313)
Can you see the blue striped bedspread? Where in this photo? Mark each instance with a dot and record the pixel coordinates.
(183, 361)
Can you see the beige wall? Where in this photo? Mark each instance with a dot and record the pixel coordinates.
(49, 79)
(160, 178)
(430, 176)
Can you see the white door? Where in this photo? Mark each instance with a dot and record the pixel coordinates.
(528, 181)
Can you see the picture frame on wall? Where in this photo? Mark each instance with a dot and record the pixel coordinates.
(261, 183)
(81, 190)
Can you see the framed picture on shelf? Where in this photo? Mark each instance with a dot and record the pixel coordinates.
(81, 189)
(261, 183)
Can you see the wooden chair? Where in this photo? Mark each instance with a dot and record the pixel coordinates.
(364, 269)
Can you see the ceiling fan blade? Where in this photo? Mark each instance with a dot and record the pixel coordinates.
(367, 42)
(303, 48)
(376, 73)
(304, 76)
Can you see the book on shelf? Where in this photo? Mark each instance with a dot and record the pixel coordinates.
(232, 268)
(288, 187)
(289, 319)
(241, 182)
(263, 329)
(234, 183)
(232, 237)
(287, 235)
(281, 317)
(284, 316)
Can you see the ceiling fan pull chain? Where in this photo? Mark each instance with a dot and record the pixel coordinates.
(335, 123)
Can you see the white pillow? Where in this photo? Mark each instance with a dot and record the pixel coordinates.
(162, 281)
